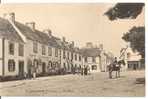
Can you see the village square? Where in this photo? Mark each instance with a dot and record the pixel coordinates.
(38, 62)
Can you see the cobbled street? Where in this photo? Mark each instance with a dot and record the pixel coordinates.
(96, 84)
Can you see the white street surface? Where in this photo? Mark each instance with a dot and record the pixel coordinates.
(97, 84)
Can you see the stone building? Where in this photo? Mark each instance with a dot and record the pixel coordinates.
(25, 49)
(95, 58)
(70, 55)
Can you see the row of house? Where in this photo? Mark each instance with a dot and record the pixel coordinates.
(134, 60)
(24, 49)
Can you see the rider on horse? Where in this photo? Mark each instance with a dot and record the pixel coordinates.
(115, 66)
(115, 61)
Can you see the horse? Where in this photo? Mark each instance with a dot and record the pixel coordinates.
(115, 67)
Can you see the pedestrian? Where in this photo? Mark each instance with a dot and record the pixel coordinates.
(85, 70)
(82, 71)
(34, 75)
(25, 75)
(88, 70)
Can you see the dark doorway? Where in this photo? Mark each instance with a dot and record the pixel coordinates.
(21, 69)
(43, 67)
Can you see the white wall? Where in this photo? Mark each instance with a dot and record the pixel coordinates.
(133, 57)
(15, 57)
(45, 58)
(31, 55)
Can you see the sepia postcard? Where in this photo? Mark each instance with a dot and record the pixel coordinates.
(72, 49)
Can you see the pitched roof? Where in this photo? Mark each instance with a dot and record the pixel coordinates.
(58, 42)
(8, 32)
(63, 45)
(90, 52)
(35, 35)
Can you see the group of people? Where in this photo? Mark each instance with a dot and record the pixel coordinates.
(81, 70)
(85, 70)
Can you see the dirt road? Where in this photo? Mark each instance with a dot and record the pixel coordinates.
(96, 84)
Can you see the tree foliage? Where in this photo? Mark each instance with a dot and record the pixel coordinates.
(136, 37)
(124, 10)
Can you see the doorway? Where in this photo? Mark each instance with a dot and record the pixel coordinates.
(43, 67)
(21, 69)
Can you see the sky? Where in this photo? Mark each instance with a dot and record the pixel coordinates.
(80, 23)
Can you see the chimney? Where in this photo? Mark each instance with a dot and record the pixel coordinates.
(10, 16)
(48, 32)
(89, 45)
(63, 38)
(72, 43)
(101, 46)
(31, 25)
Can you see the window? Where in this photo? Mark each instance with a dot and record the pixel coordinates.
(128, 65)
(60, 52)
(43, 50)
(56, 52)
(71, 56)
(11, 48)
(49, 65)
(79, 66)
(75, 56)
(53, 65)
(49, 51)
(85, 59)
(94, 67)
(11, 65)
(93, 59)
(64, 56)
(79, 58)
(68, 55)
(75, 66)
(128, 55)
(35, 47)
(21, 50)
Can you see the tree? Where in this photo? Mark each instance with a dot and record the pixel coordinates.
(136, 37)
(124, 10)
